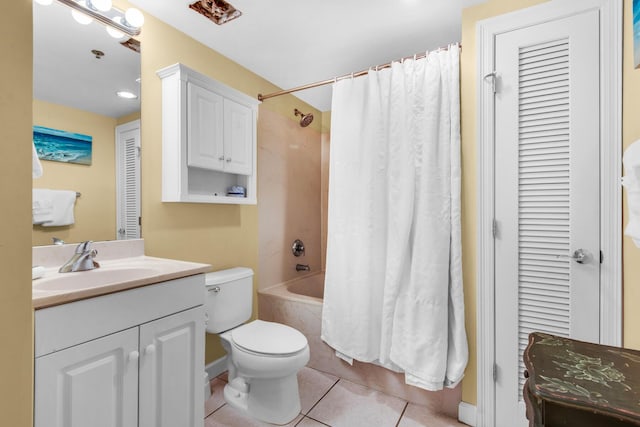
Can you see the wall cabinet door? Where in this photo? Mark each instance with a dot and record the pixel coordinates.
(238, 138)
(205, 133)
(171, 367)
(219, 132)
(92, 384)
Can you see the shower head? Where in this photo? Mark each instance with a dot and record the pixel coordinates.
(305, 119)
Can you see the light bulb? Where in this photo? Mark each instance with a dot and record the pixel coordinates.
(114, 32)
(80, 17)
(101, 5)
(126, 94)
(134, 18)
(44, 2)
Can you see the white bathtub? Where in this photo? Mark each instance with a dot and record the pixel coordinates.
(298, 303)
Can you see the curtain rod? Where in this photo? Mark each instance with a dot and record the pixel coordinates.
(262, 97)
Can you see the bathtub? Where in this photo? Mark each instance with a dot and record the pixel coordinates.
(298, 303)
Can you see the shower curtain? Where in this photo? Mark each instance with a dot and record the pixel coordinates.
(393, 286)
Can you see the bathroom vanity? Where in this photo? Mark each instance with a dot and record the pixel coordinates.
(120, 345)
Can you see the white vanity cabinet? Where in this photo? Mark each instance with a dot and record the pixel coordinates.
(132, 358)
(208, 139)
(91, 384)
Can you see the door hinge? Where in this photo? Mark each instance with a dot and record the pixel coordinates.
(495, 372)
(601, 257)
(494, 228)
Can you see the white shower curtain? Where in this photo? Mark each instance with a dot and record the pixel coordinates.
(393, 287)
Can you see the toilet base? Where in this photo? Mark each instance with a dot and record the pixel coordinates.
(273, 400)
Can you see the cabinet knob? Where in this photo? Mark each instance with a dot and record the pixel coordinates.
(228, 159)
(221, 158)
(133, 356)
(150, 349)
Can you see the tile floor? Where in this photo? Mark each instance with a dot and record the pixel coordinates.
(327, 400)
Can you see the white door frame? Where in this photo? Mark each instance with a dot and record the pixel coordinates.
(610, 172)
(119, 130)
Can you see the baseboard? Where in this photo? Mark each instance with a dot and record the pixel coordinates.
(467, 413)
(216, 367)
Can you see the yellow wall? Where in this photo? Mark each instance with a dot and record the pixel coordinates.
(95, 210)
(16, 320)
(221, 235)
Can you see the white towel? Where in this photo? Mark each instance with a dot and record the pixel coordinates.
(631, 183)
(62, 203)
(37, 166)
(42, 206)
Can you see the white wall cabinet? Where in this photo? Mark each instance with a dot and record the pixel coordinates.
(208, 139)
(129, 363)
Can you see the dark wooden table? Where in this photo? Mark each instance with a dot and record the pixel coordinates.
(574, 383)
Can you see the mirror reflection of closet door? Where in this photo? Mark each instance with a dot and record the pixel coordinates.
(128, 224)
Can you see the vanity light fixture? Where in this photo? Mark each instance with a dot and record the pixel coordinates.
(118, 22)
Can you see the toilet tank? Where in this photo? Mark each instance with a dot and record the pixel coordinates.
(229, 298)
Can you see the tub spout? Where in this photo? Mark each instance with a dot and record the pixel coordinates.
(303, 267)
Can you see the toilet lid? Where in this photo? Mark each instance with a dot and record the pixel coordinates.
(268, 338)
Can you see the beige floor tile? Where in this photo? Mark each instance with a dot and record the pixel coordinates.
(420, 416)
(313, 385)
(308, 422)
(224, 376)
(352, 405)
(217, 397)
(230, 417)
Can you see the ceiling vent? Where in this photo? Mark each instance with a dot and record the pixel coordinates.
(219, 11)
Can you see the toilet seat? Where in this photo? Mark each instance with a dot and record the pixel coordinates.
(268, 338)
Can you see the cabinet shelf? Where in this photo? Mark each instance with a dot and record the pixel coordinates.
(208, 139)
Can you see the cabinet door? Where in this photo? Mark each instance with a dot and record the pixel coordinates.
(171, 368)
(205, 147)
(92, 384)
(238, 138)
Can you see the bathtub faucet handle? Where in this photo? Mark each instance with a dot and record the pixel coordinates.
(303, 267)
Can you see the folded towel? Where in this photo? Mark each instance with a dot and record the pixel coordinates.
(37, 166)
(62, 203)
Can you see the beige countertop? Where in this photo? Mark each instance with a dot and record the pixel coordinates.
(113, 275)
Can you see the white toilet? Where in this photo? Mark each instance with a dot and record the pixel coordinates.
(263, 358)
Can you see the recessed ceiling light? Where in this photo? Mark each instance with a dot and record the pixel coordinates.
(126, 95)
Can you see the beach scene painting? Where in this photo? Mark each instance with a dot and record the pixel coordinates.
(636, 33)
(62, 146)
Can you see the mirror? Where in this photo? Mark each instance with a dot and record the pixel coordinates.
(77, 71)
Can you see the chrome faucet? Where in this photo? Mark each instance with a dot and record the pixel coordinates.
(303, 267)
(82, 259)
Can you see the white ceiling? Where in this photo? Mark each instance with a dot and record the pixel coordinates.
(295, 42)
(66, 72)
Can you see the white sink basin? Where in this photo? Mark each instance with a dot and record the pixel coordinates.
(92, 278)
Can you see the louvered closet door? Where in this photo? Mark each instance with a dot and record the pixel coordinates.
(547, 193)
(128, 180)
